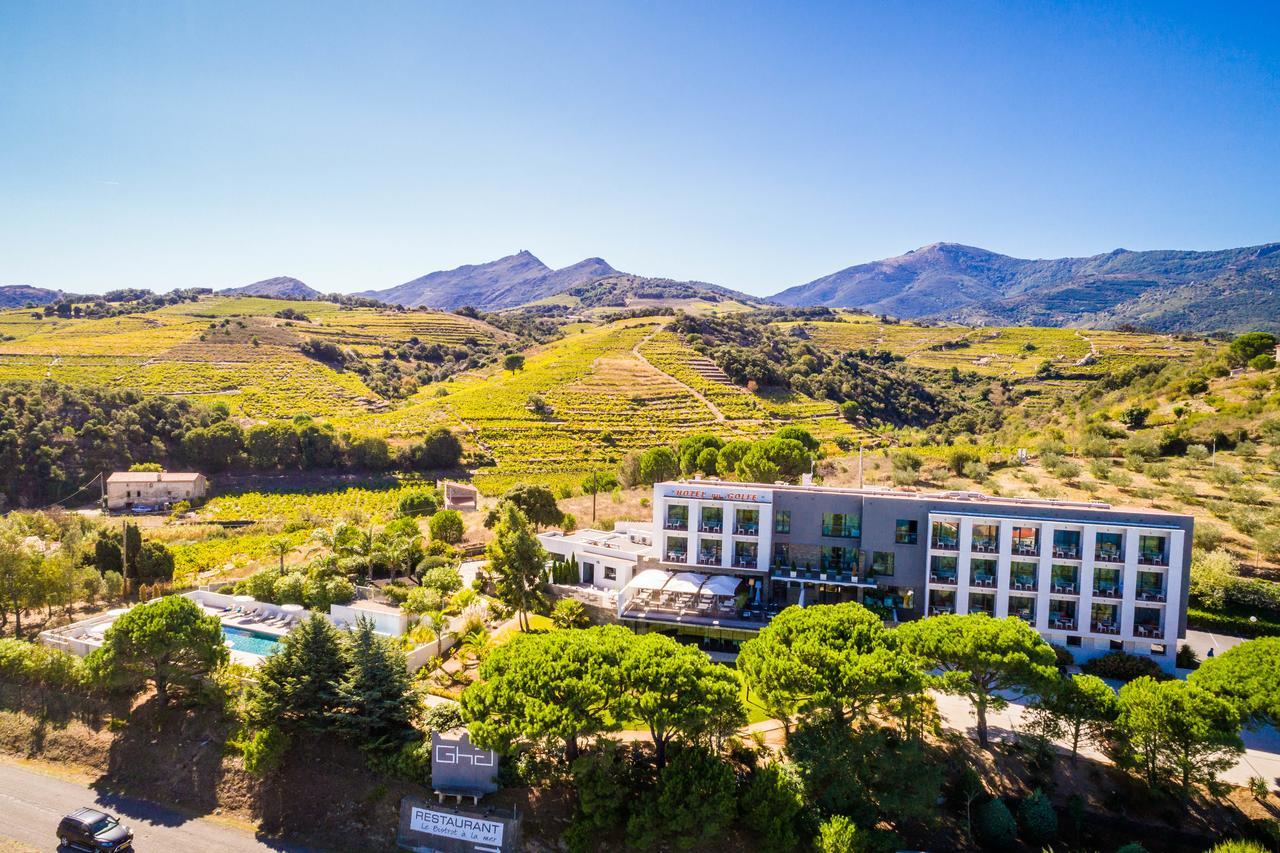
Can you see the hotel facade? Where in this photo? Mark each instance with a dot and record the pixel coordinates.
(727, 556)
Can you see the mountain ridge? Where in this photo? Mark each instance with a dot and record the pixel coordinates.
(278, 287)
(955, 282)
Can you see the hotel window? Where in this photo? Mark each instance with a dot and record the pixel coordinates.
(1026, 541)
(841, 525)
(1108, 548)
(610, 573)
(746, 522)
(1151, 551)
(835, 558)
(882, 562)
(782, 554)
(782, 521)
(985, 538)
(906, 532)
(946, 534)
(712, 519)
(677, 517)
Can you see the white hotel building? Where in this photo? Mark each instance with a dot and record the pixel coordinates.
(725, 557)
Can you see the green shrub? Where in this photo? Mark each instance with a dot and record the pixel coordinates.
(770, 807)
(412, 761)
(1238, 847)
(692, 802)
(418, 502)
(22, 662)
(995, 826)
(263, 750)
(1123, 666)
(1233, 621)
(1038, 819)
(447, 526)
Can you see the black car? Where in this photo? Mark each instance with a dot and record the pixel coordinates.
(90, 829)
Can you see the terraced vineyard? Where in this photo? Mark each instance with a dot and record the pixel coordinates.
(1014, 352)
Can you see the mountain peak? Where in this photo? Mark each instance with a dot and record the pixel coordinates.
(279, 287)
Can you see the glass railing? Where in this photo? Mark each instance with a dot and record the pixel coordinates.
(1026, 583)
(1151, 593)
(677, 556)
(677, 524)
(1152, 558)
(984, 546)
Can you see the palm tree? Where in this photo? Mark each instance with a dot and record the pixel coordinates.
(474, 643)
(281, 548)
(437, 622)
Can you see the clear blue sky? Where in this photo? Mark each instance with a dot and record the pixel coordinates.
(758, 146)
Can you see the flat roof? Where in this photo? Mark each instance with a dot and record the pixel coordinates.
(614, 540)
(153, 477)
(904, 494)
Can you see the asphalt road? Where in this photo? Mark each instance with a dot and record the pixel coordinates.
(32, 803)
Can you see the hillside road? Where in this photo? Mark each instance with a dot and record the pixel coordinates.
(32, 803)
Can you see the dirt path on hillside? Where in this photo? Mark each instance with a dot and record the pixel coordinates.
(635, 350)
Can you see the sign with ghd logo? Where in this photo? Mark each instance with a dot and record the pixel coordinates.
(457, 766)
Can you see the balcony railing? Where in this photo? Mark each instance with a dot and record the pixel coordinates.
(746, 530)
(1066, 553)
(1153, 560)
(945, 544)
(987, 610)
(1028, 616)
(677, 556)
(1150, 594)
(710, 527)
(985, 581)
(708, 559)
(940, 611)
(676, 524)
(1024, 584)
(1062, 623)
(744, 562)
(1147, 630)
(937, 578)
(1106, 628)
(1064, 588)
(1026, 550)
(1108, 556)
(1108, 592)
(987, 546)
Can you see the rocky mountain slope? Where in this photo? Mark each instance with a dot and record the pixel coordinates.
(1231, 289)
(280, 287)
(18, 295)
(504, 283)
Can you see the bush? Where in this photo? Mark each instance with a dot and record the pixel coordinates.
(770, 807)
(22, 662)
(1233, 621)
(692, 802)
(1238, 847)
(263, 750)
(1038, 819)
(995, 826)
(1133, 847)
(418, 502)
(447, 526)
(1123, 666)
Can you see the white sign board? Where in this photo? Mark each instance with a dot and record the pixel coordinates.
(697, 492)
(457, 826)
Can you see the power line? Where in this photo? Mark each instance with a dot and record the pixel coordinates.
(96, 479)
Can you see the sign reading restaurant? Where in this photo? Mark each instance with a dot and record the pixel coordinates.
(461, 827)
(703, 493)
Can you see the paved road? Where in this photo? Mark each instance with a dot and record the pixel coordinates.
(31, 803)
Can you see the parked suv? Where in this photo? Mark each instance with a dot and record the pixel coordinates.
(98, 832)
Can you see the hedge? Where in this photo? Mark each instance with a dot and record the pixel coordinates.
(1232, 622)
(22, 662)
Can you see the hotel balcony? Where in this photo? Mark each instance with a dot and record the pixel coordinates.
(983, 581)
(676, 524)
(1064, 588)
(1107, 591)
(1150, 630)
(746, 530)
(944, 544)
(708, 559)
(711, 527)
(1062, 622)
(1025, 550)
(1153, 594)
(1151, 559)
(1023, 583)
(935, 577)
(1105, 628)
(677, 556)
(1066, 552)
(1025, 612)
(985, 546)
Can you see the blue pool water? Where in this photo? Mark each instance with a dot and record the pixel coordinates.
(249, 641)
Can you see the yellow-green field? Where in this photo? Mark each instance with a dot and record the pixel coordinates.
(1014, 352)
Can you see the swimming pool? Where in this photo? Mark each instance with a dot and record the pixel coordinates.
(250, 642)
